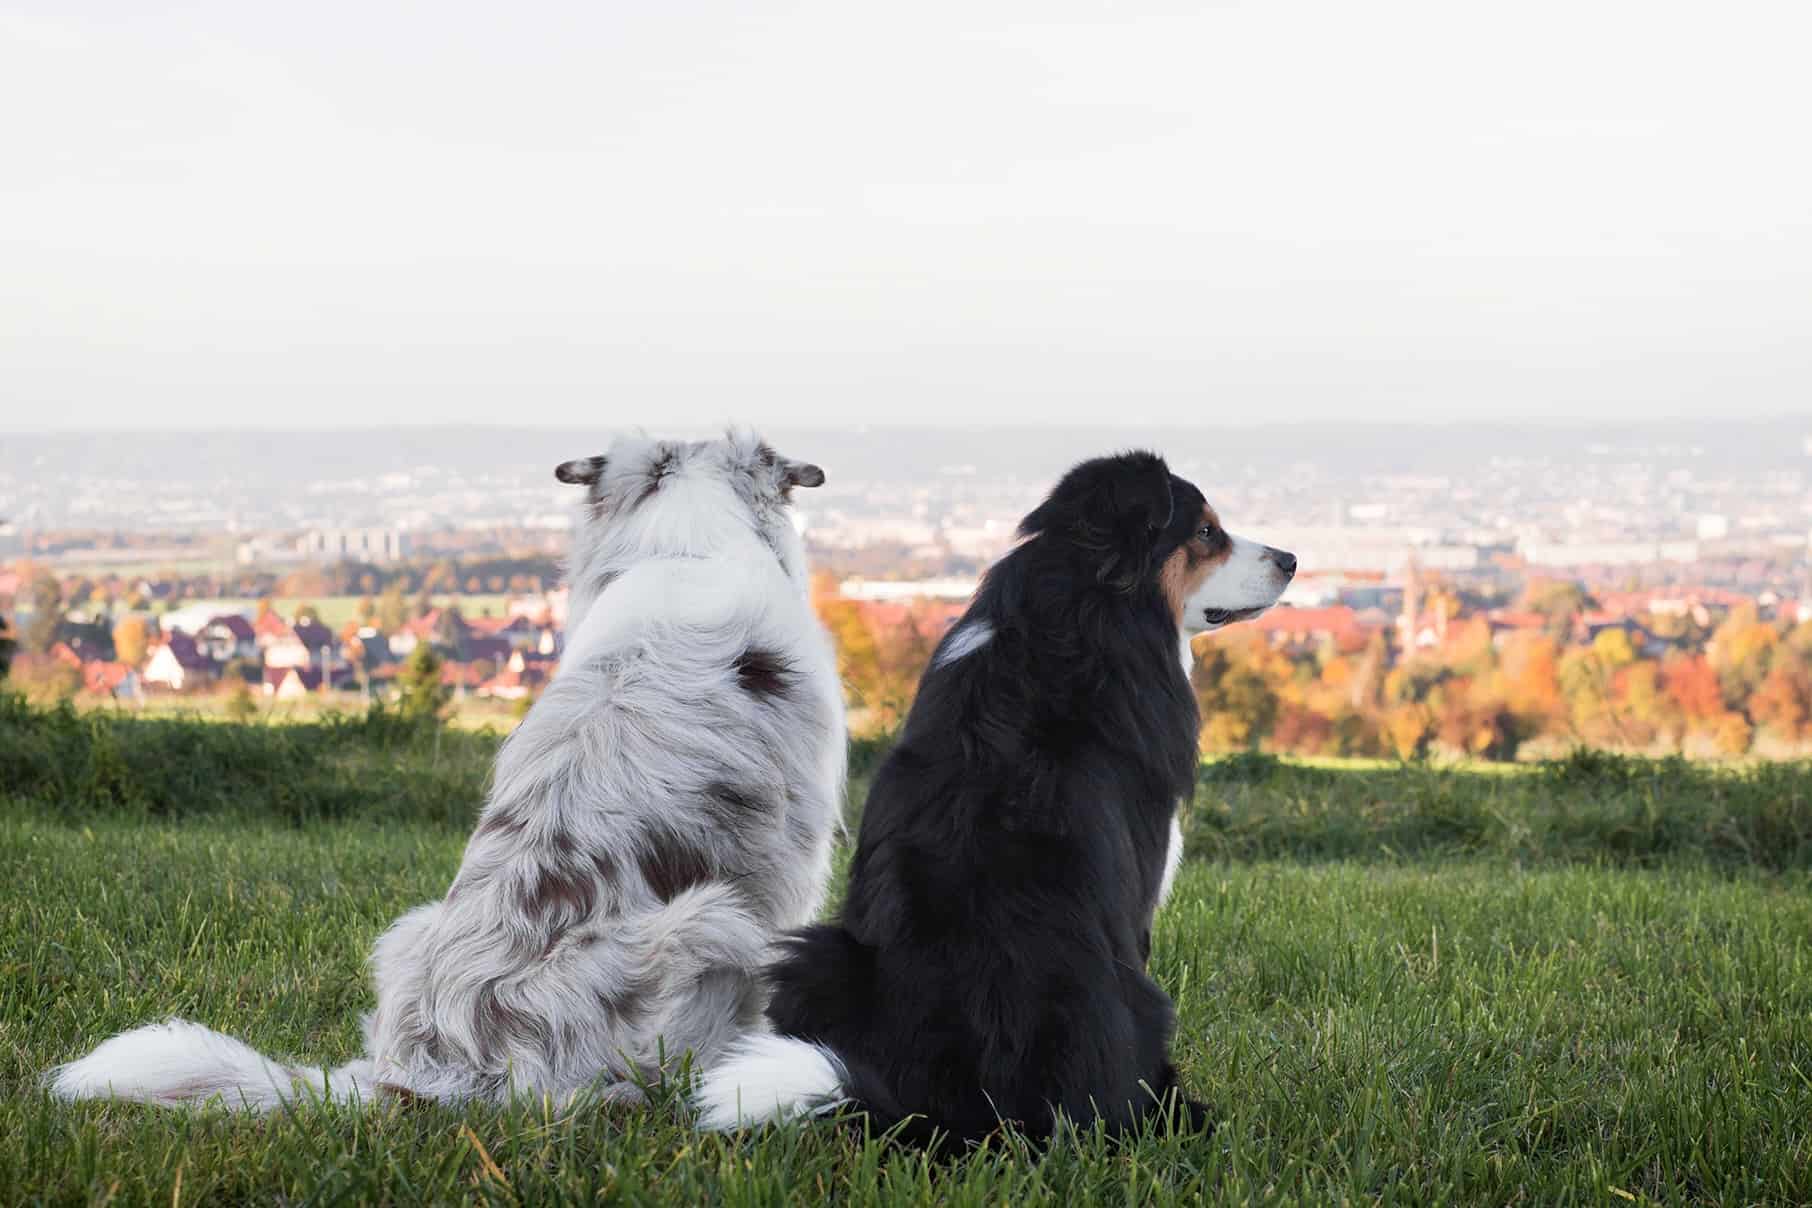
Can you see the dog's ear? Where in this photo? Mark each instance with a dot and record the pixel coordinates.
(792, 473)
(1139, 504)
(1116, 508)
(583, 471)
(800, 474)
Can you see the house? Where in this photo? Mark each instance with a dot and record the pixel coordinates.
(305, 644)
(295, 683)
(291, 683)
(226, 637)
(1296, 628)
(523, 661)
(487, 650)
(270, 627)
(1505, 622)
(519, 631)
(190, 618)
(442, 627)
(179, 665)
(372, 645)
(465, 676)
(511, 684)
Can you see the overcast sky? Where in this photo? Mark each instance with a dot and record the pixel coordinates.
(607, 213)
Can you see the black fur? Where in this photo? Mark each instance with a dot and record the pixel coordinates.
(990, 962)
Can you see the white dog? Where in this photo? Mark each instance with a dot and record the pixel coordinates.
(664, 811)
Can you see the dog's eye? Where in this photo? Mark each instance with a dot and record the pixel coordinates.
(1206, 532)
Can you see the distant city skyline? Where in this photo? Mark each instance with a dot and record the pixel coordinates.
(809, 213)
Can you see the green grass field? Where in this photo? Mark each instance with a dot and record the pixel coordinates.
(1587, 982)
(335, 611)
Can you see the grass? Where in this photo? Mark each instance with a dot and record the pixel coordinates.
(471, 713)
(1590, 982)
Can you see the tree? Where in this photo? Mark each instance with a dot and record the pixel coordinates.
(421, 695)
(1560, 601)
(1693, 686)
(7, 646)
(1236, 682)
(392, 611)
(131, 641)
(1612, 646)
(49, 679)
(356, 654)
(1783, 702)
(46, 596)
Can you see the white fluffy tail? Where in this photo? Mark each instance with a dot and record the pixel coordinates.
(181, 1063)
(767, 1078)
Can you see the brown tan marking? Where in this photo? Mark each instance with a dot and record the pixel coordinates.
(1194, 560)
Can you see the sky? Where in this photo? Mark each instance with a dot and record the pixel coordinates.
(330, 214)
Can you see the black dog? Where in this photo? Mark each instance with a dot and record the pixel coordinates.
(990, 964)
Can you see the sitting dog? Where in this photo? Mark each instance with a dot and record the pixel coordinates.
(989, 967)
(661, 814)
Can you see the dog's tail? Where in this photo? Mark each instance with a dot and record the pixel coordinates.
(768, 1078)
(179, 1063)
(815, 988)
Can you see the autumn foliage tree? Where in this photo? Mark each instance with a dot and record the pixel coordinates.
(131, 641)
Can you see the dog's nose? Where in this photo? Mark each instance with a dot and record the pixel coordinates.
(1284, 560)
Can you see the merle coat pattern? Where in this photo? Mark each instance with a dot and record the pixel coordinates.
(663, 811)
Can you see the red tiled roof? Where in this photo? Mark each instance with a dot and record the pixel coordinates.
(1334, 618)
(425, 625)
(469, 674)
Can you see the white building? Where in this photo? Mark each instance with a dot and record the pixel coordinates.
(1607, 553)
(357, 545)
(907, 589)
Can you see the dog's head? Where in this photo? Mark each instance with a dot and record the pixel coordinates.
(1137, 524)
(675, 498)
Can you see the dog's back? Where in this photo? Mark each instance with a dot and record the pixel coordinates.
(662, 812)
(988, 966)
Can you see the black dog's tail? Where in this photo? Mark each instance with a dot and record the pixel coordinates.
(766, 1077)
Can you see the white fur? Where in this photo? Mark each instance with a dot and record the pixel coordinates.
(768, 1078)
(652, 825)
(1173, 860)
(178, 1061)
(1248, 580)
(963, 641)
